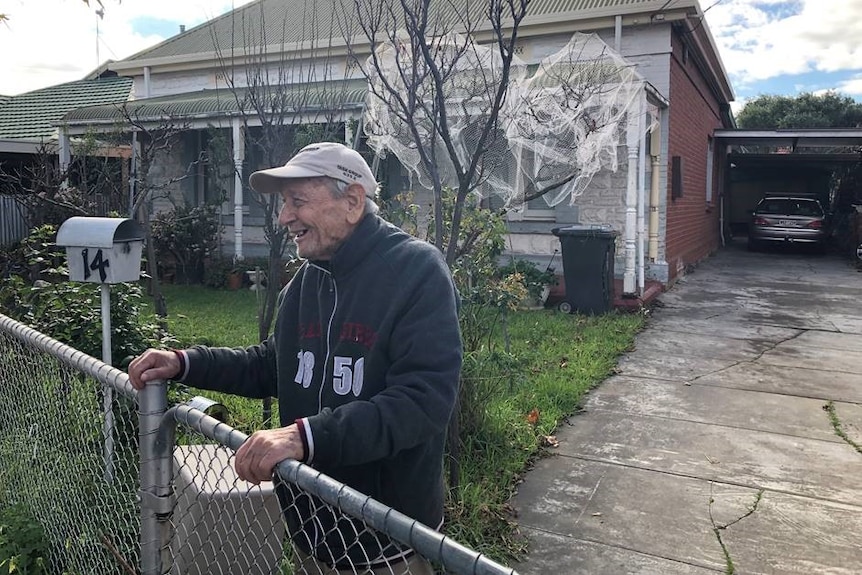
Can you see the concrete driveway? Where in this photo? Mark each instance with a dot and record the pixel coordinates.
(715, 444)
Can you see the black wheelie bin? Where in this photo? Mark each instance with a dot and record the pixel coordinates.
(588, 268)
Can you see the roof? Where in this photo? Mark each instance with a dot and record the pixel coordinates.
(33, 116)
(276, 22)
(793, 139)
(204, 104)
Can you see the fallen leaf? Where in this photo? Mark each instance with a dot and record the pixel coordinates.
(533, 416)
(550, 441)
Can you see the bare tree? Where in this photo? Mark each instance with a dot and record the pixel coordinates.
(287, 97)
(155, 139)
(49, 193)
(452, 100)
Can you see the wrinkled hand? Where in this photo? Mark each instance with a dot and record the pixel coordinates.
(153, 364)
(257, 457)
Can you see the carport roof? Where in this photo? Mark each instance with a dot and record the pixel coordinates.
(793, 139)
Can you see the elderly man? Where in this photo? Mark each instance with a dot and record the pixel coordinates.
(364, 360)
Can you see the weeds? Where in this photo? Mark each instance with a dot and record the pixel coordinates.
(829, 408)
(730, 568)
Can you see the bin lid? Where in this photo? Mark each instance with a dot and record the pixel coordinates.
(586, 230)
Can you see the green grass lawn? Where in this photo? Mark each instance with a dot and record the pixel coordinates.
(215, 317)
(201, 315)
(517, 396)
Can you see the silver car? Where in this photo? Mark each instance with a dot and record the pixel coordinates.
(787, 220)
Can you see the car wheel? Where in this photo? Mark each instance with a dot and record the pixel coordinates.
(565, 307)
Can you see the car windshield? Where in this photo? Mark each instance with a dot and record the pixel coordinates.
(790, 207)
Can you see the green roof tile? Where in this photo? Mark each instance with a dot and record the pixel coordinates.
(219, 103)
(34, 115)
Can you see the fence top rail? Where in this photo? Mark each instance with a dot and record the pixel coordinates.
(430, 543)
(87, 364)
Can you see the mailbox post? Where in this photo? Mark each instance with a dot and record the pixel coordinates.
(104, 251)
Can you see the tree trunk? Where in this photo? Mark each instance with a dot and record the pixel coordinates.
(155, 288)
(267, 312)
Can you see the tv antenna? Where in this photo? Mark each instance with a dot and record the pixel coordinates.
(101, 14)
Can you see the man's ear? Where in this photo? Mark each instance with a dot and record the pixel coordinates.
(355, 197)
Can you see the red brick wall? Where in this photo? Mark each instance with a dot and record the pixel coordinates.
(692, 224)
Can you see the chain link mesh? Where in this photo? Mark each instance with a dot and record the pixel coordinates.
(79, 478)
(220, 523)
(54, 462)
(305, 523)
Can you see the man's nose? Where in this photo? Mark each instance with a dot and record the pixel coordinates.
(285, 214)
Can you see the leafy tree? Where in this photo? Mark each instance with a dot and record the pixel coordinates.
(807, 110)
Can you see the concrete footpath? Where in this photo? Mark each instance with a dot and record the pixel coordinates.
(713, 444)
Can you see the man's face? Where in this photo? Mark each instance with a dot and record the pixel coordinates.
(318, 221)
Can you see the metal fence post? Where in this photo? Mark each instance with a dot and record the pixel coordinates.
(156, 468)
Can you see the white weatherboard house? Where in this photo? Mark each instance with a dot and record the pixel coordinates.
(664, 198)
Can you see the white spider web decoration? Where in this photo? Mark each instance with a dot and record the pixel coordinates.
(560, 122)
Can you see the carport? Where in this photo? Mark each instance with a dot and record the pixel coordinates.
(823, 163)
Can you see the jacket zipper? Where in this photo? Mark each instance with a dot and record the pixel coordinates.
(333, 288)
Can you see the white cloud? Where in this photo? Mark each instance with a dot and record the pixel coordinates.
(851, 87)
(762, 39)
(48, 42)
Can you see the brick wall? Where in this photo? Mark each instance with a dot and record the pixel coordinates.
(692, 224)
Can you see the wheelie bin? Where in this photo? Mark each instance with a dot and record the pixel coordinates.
(588, 268)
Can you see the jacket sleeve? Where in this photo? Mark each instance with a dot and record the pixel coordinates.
(424, 353)
(249, 372)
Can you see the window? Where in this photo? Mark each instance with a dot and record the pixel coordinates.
(676, 167)
(538, 208)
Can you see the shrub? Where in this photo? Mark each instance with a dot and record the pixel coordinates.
(216, 271)
(23, 544)
(531, 276)
(189, 236)
(71, 311)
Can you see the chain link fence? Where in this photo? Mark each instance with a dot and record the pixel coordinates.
(155, 491)
(76, 474)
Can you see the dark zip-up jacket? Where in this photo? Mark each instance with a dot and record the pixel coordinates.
(366, 355)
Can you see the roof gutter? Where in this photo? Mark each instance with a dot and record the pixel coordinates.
(20, 146)
(82, 126)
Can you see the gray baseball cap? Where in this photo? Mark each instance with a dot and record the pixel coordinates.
(314, 160)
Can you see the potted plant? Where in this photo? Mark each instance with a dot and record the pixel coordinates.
(222, 272)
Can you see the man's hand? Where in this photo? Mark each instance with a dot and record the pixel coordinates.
(257, 457)
(153, 364)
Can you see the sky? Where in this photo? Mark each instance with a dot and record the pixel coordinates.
(47, 42)
(786, 47)
(782, 47)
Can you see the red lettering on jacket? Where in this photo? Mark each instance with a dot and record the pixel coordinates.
(310, 330)
(358, 333)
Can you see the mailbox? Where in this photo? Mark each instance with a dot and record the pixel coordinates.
(102, 250)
